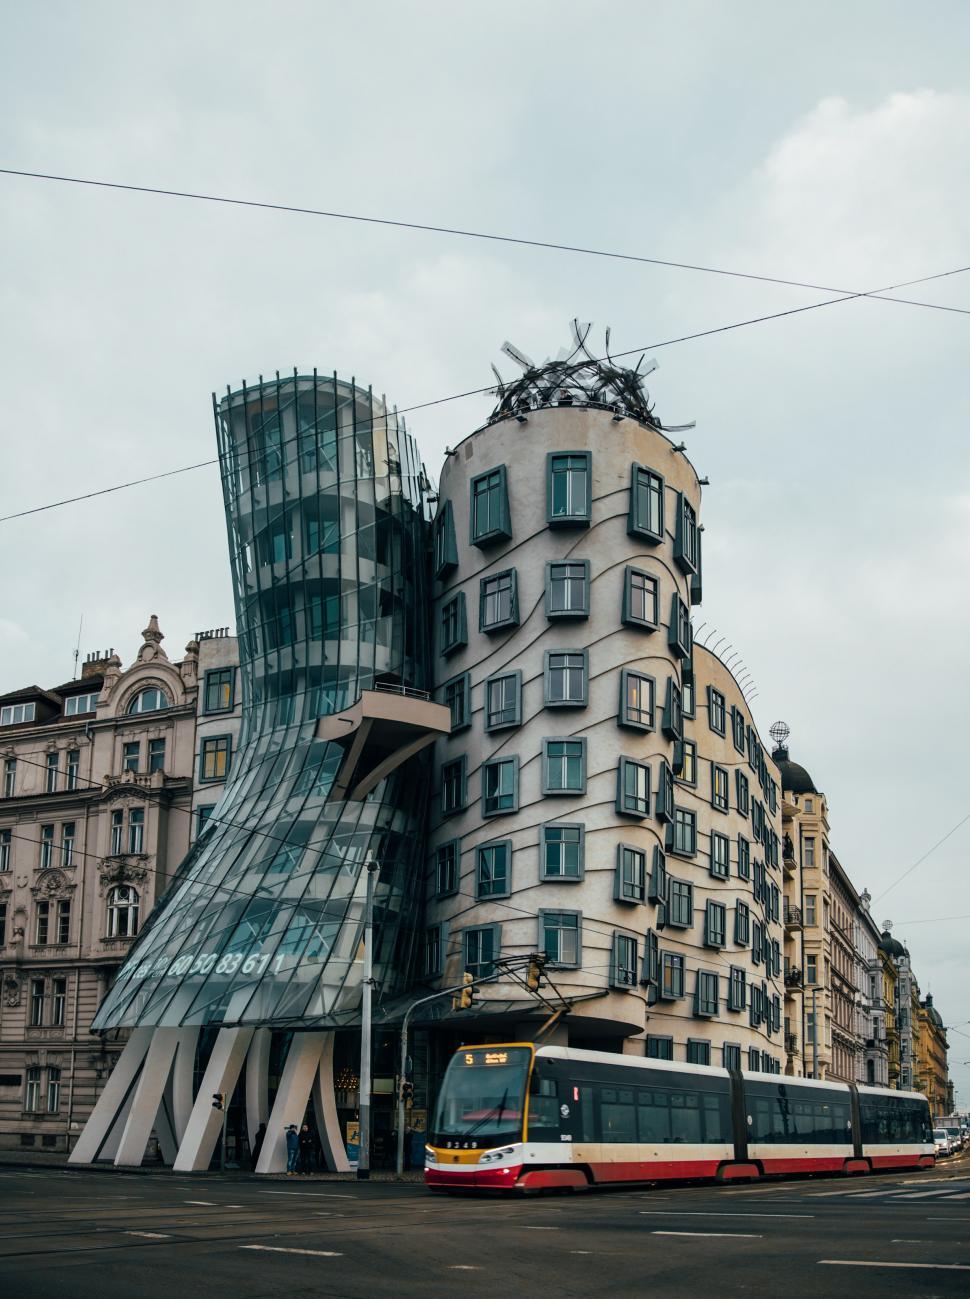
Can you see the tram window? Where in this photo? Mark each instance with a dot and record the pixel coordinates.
(888, 1121)
(653, 1116)
(617, 1114)
(543, 1109)
(783, 1115)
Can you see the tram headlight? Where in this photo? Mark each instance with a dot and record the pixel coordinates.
(493, 1156)
(429, 1155)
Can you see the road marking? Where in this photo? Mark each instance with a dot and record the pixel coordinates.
(210, 1204)
(463, 1267)
(580, 1251)
(905, 1240)
(304, 1195)
(149, 1235)
(721, 1235)
(863, 1262)
(540, 1228)
(279, 1249)
(704, 1213)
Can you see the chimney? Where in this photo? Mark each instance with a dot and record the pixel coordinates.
(95, 663)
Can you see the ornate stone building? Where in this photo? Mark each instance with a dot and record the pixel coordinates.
(932, 1073)
(95, 812)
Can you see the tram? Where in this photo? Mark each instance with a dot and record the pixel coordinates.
(521, 1117)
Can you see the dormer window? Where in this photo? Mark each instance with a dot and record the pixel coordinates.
(16, 714)
(149, 701)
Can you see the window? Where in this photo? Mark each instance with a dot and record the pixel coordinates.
(719, 787)
(9, 777)
(67, 843)
(149, 701)
(568, 488)
(631, 874)
(6, 845)
(73, 768)
(17, 714)
(688, 699)
(680, 908)
(458, 701)
(720, 855)
(741, 792)
(811, 970)
(503, 701)
(131, 756)
(754, 1060)
(216, 756)
(446, 860)
(650, 973)
(453, 625)
(567, 589)
(742, 924)
(731, 1055)
(36, 1003)
(715, 924)
(737, 728)
(122, 912)
(808, 851)
(559, 937)
(219, 689)
(46, 847)
(563, 851)
(493, 870)
(744, 858)
(156, 755)
(58, 1002)
(481, 946)
(737, 989)
(810, 911)
(500, 781)
(445, 543)
(633, 788)
(3, 924)
(637, 700)
(671, 976)
(679, 631)
(698, 1052)
(659, 1048)
(498, 602)
(32, 1089)
(683, 839)
(809, 805)
(706, 993)
(688, 763)
(715, 710)
(663, 804)
(624, 963)
(275, 543)
(53, 767)
(657, 892)
(136, 829)
(453, 782)
(641, 599)
(673, 718)
(564, 766)
(757, 942)
(646, 504)
(117, 830)
(490, 520)
(685, 536)
(431, 963)
(565, 679)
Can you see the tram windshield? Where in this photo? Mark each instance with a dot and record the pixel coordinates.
(482, 1097)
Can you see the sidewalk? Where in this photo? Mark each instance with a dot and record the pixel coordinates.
(58, 1159)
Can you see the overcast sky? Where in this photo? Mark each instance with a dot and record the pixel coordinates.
(821, 143)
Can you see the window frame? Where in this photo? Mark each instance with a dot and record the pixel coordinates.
(205, 744)
(547, 789)
(679, 636)
(502, 529)
(720, 856)
(451, 646)
(443, 540)
(673, 828)
(628, 617)
(210, 679)
(461, 762)
(623, 717)
(493, 845)
(455, 846)
(576, 614)
(464, 683)
(636, 893)
(624, 763)
(676, 963)
(707, 995)
(575, 518)
(544, 873)
(714, 694)
(512, 618)
(657, 489)
(515, 677)
(510, 760)
(715, 924)
(547, 670)
(630, 965)
(720, 798)
(680, 894)
(686, 533)
(560, 964)
(495, 929)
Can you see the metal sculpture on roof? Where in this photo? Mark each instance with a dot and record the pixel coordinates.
(577, 377)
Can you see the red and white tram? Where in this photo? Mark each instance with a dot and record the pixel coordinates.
(521, 1117)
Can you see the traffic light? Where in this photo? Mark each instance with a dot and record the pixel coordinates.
(218, 1100)
(407, 1092)
(466, 998)
(533, 976)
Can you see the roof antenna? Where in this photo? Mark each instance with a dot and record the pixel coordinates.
(77, 647)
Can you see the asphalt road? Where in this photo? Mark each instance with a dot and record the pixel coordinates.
(98, 1235)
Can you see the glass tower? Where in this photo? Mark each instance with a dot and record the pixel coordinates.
(327, 519)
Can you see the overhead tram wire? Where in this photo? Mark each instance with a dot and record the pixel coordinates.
(490, 388)
(486, 236)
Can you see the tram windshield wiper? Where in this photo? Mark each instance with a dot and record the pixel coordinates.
(498, 1110)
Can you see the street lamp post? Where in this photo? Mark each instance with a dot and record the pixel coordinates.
(364, 1095)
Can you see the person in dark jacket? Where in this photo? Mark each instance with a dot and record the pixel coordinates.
(257, 1145)
(292, 1149)
(306, 1150)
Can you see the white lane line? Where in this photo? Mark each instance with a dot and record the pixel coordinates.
(865, 1262)
(311, 1195)
(705, 1213)
(209, 1204)
(906, 1240)
(463, 1267)
(580, 1251)
(721, 1235)
(540, 1228)
(149, 1235)
(279, 1249)
(918, 1195)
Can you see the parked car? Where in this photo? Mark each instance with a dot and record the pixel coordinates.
(941, 1142)
(952, 1130)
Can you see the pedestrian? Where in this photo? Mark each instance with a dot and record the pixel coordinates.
(292, 1149)
(257, 1145)
(306, 1150)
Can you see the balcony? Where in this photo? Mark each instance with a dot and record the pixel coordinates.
(793, 917)
(791, 1043)
(793, 978)
(788, 862)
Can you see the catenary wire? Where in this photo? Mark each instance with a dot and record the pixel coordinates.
(477, 392)
(487, 236)
(906, 873)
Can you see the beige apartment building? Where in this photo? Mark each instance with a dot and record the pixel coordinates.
(95, 815)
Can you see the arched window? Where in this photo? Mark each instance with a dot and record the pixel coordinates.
(122, 912)
(149, 701)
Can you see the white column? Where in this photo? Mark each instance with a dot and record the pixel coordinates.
(205, 1123)
(325, 1107)
(147, 1097)
(113, 1099)
(257, 1082)
(180, 1083)
(302, 1065)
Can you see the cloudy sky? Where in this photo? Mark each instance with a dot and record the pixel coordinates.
(822, 143)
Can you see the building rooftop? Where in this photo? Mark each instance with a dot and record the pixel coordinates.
(793, 777)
